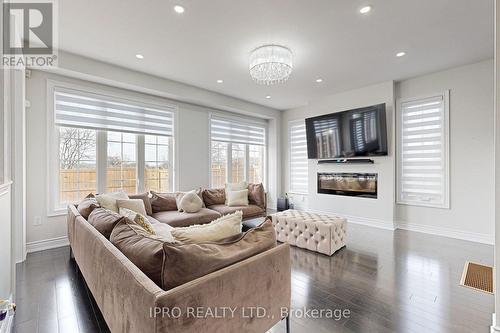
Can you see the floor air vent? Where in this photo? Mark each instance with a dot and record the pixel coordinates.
(479, 277)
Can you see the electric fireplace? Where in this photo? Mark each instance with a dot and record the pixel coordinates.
(349, 184)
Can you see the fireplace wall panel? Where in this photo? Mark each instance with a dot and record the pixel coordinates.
(348, 184)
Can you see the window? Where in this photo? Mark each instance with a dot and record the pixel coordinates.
(237, 151)
(423, 177)
(121, 170)
(298, 157)
(108, 144)
(157, 167)
(77, 163)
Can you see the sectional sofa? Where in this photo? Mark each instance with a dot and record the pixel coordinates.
(256, 290)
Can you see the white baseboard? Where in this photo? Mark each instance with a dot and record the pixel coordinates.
(46, 244)
(447, 232)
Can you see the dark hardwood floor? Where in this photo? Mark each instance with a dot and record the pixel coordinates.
(389, 281)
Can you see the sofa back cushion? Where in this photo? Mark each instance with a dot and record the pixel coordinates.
(214, 196)
(187, 262)
(147, 202)
(104, 220)
(161, 202)
(140, 247)
(223, 227)
(87, 205)
(257, 195)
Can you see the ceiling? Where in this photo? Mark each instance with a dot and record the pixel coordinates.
(330, 39)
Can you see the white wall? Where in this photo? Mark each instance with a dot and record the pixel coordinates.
(6, 257)
(375, 212)
(471, 153)
(192, 163)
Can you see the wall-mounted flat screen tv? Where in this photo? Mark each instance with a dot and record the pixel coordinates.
(353, 133)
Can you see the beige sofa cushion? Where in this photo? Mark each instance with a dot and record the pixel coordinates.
(104, 220)
(87, 205)
(223, 227)
(140, 247)
(108, 200)
(257, 195)
(135, 205)
(237, 198)
(248, 211)
(214, 196)
(145, 198)
(161, 202)
(188, 202)
(182, 219)
(187, 262)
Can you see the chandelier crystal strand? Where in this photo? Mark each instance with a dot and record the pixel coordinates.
(271, 64)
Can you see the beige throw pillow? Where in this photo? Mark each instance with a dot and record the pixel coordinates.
(237, 198)
(138, 218)
(189, 202)
(229, 187)
(108, 200)
(136, 205)
(223, 227)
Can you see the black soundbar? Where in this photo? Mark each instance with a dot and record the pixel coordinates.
(347, 161)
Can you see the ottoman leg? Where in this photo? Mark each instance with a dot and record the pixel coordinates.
(287, 323)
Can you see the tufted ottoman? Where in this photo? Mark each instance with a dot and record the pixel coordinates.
(320, 233)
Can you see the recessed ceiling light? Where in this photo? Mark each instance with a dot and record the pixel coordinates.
(220, 81)
(400, 54)
(179, 9)
(139, 56)
(319, 80)
(268, 96)
(365, 9)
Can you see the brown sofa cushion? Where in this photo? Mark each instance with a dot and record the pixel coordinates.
(161, 202)
(187, 262)
(182, 219)
(214, 196)
(248, 211)
(104, 220)
(257, 195)
(87, 205)
(141, 248)
(147, 202)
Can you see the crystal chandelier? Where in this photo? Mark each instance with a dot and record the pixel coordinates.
(270, 64)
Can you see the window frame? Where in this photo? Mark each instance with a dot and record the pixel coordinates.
(446, 151)
(291, 190)
(229, 151)
(53, 207)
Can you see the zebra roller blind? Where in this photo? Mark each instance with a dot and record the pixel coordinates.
(234, 131)
(78, 109)
(298, 157)
(423, 152)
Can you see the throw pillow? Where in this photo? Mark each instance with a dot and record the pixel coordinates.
(257, 195)
(138, 218)
(147, 202)
(108, 200)
(141, 248)
(136, 205)
(223, 227)
(104, 220)
(161, 202)
(187, 262)
(237, 198)
(198, 191)
(214, 196)
(87, 205)
(235, 187)
(188, 202)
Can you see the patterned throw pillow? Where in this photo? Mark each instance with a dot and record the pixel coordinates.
(139, 219)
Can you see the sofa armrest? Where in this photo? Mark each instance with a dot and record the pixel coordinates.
(250, 296)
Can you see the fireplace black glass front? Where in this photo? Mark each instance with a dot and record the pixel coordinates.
(349, 184)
